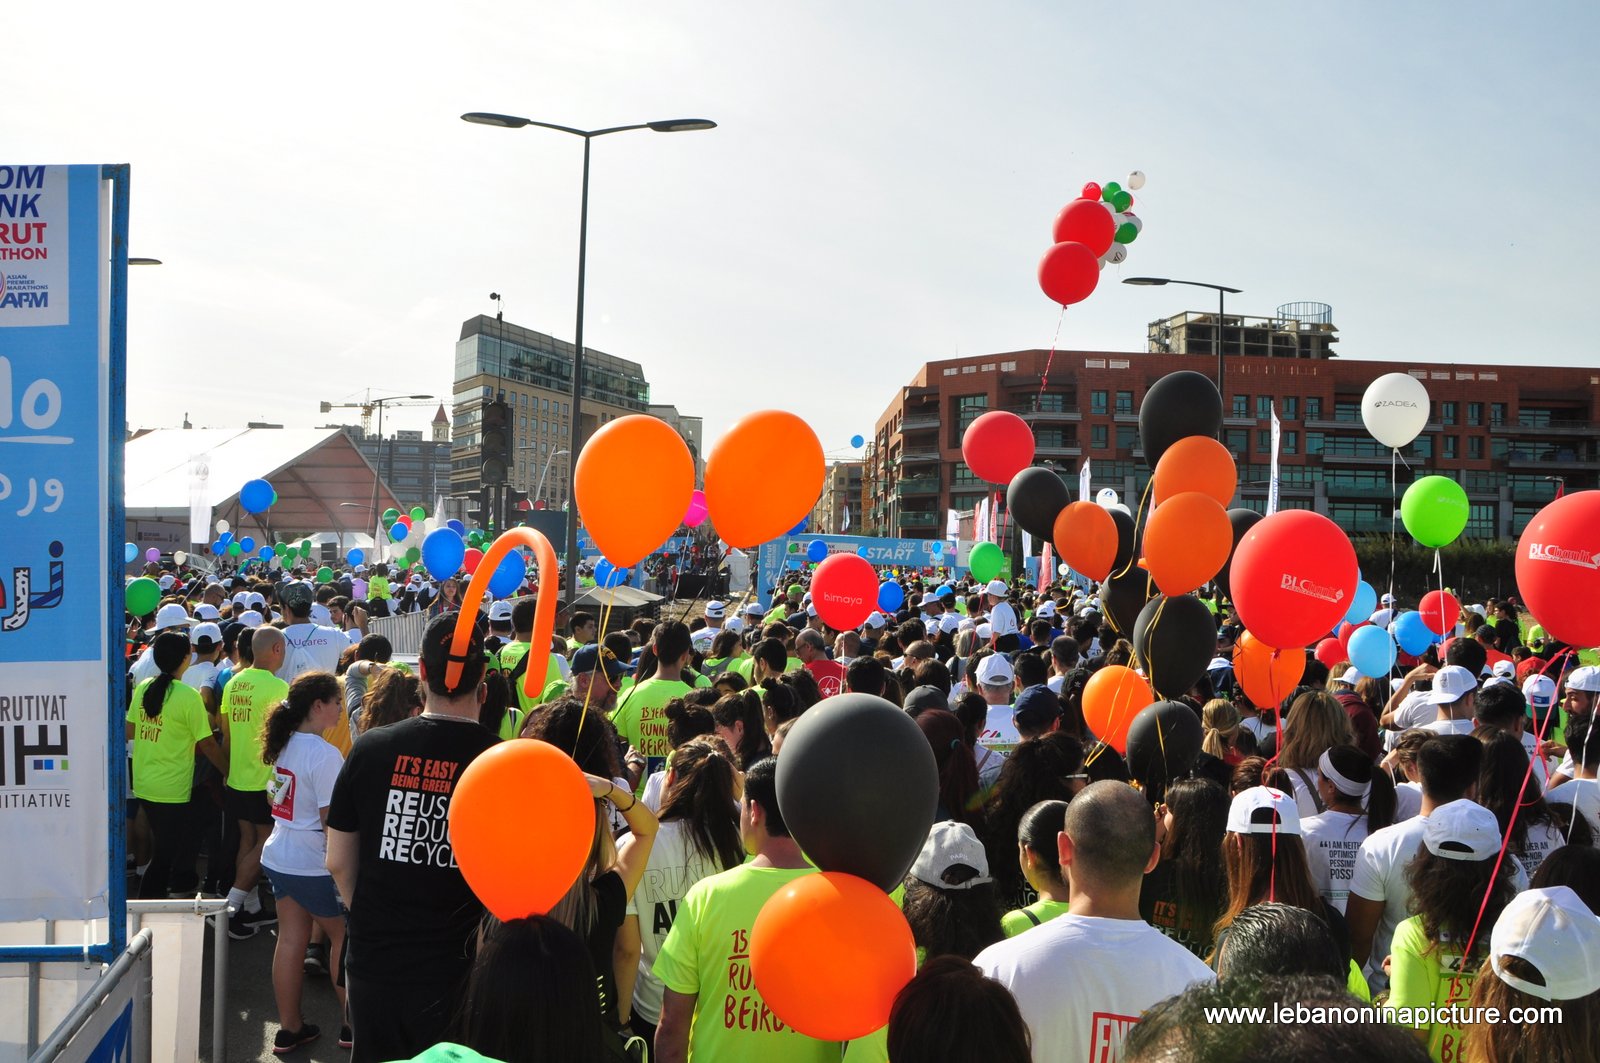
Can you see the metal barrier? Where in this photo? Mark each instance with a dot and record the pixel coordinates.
(215, 910)
(404, 632)
(110, 981)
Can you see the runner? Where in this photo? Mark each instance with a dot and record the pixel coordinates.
(246, 701)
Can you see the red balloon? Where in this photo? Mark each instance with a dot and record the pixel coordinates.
(1292, 577)
(1088, 223)
(1345, 631)
(1068, 272)
(1092, 191)
(1440, 610)
(997, 446)
(404, 518)
(472, 559)
(1331, 652)
(1558, 568)
(844, 589)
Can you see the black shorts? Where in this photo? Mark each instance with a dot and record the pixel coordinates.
(248, 806)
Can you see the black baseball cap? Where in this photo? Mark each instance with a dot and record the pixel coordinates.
(1036, 707)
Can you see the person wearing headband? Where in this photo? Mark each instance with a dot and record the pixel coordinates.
(1359, 799)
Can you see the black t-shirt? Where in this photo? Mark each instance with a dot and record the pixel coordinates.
(413, 917)
(611, 908)
(1159, 906)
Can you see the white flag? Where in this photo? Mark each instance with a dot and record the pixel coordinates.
(1084, 494)
(980, 521)
(1272, 486)
(846, 525)
(1027, 545)
(199, 506)
(952, 524)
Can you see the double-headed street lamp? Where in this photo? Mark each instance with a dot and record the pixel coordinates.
(1222, 293)
(506, 121)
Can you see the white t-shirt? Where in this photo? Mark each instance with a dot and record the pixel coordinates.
(199, 674)
(1081, 982)
(1543, 767)
(1332, 841)
(655, 788)
(1450, 727)
(1305, 790)
(1003, 620)
(999, 730)
(1542, 840)
(989, 764)
(1413, 711)
(1407, 801)
(311, 648)
(300, 787)
(674, 866)
(1585, 795)
(1054, 683)
(144, 667)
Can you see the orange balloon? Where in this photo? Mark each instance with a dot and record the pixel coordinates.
(763, 477)
(1085, 535)
(522, 822)
(829, 952)
(1267, 674)
(1196, 463)
(632, 483)
(1111, 699)
(1187, 541)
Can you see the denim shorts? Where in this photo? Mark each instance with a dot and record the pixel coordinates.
(315, 893)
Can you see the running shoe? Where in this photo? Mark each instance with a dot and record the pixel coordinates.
(239, 929)
(345, 1040)
(259, 919)
(316, 959)
(289, 1040)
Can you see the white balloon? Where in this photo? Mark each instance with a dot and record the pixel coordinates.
(1123, 509)
(1135, 221)
(180, 557)
(1115, 255)
(1106, 497)
(222, 526)
(1395, 409)
(1062, 569)
(1136, 180)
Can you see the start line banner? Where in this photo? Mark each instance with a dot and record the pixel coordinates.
(881, 553)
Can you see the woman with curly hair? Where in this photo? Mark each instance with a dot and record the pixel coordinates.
(392, 696)
(1458, 890)
(1047, 768)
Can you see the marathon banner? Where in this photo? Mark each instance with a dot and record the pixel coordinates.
(55, 508)
(881, 553)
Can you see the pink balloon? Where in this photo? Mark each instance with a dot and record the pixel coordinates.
(152, 554)
(696, 515)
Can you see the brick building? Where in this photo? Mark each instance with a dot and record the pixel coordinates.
(1507, 433)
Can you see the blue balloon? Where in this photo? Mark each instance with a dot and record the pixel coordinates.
(225, 538)
(443, 551)
(456, 526)
(800, 528)
(266, 553)
(130, 552)
(1362, 604)
(608, 575)
(857, 441)
(398, 531)
(355, 557)
(1411, 633)
(937, 548)
(816, 550)
(256, 496)
(891, 596)
(247, 544)
(219, 548)
(1371, 651)
(508, 575)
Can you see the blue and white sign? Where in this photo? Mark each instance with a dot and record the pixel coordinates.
(57, 419)
(881, 553)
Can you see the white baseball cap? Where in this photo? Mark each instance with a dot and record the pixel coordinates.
(1351, 676)
(206, 612)
(1586, 679)
(951, 844)
(949, 622)
(250, 618)
(1552, 930)
(1450, 684)
(256, 600)
(1387, 599)
(930, 599)
(1462, 830)
(1505, 668)
(321, 615)
(994, 671)
(1242, 818)
(876, 621)
(1540, 690)
(753, 609)
(500, 612)
(166, 581)
(208, 631)
(997, 588)
(811, 610)
(985, 632)
(1046, 611)
(733, 624)
(242, 598)
(715, 610)
(172, 615)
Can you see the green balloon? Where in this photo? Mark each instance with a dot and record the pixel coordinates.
(985, 561)
(234, 549)
(1122, 200)
(413, 555)
(324, 574)
(391, 515)
(280, 549)
(418, 513)
(305, 548)
(1109, 190)
(142, 596)
(1126, 233)
(1434, 510)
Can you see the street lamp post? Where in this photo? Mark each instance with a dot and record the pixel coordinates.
(506, 121)
(1222, 293)
(554, 454)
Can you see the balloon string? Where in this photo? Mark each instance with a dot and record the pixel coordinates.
(1394, 507)
(600, 646)
(1138, 517)
(1044, 377)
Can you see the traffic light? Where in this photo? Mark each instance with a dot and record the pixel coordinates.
(480, 515)
(496, 445)
(517, 506)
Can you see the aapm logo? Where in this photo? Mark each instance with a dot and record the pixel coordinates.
(1563, 555)
(1310, 589)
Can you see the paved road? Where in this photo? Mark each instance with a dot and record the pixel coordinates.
(252, 1017)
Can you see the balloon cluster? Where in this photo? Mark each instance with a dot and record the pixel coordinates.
(1091, 231)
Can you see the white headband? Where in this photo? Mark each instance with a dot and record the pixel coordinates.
(1348, 787)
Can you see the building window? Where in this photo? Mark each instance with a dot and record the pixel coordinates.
(1291, 442)
(1474, 413)
(1449, 447)
(968, 409)
(1291, 408)
(952, 371)
(1314, 442)
(1313, 408)
(1097, 435)
(1008, 367)
(1237, 441)
(1475, 447)
(1124, 402)
(1447, 415)
(1263, 407)
(1127, 436)
(1347, 412)
(1423, 447)
(1499, 448)
(1497, 413)
(1241, 406)
(1050, 402)
(1264, 440)
(1097, 402)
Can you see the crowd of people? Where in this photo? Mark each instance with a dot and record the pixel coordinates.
(1422, 841)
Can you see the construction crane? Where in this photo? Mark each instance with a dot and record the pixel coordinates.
(378, 404)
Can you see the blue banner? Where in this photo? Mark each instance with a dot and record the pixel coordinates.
(790, 552)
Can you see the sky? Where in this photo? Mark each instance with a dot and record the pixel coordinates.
(877, 194)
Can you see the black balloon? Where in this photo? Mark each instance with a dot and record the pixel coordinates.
(1121, 598)
(1127, 540)
(1035, 498)
(858, 787)
(1242, 520)
(1163, 742)
(1180, 404)
(1174, 639)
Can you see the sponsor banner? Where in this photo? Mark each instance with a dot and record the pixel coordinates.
(775, 556)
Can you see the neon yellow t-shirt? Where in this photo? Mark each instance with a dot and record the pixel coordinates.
(378, 588)
(1424, 973)
(511, 655)
(639, 718)
(163, 748)
(1016, 921)
(510, 724)
(707, 953)
(246, 700)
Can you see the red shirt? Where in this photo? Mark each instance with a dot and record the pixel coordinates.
(829, 676)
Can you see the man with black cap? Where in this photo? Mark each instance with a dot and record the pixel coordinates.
(413, 919)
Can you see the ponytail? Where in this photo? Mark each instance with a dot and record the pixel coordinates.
(286, 717)
(1358, 768)
(702, 794)
(169, 651)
